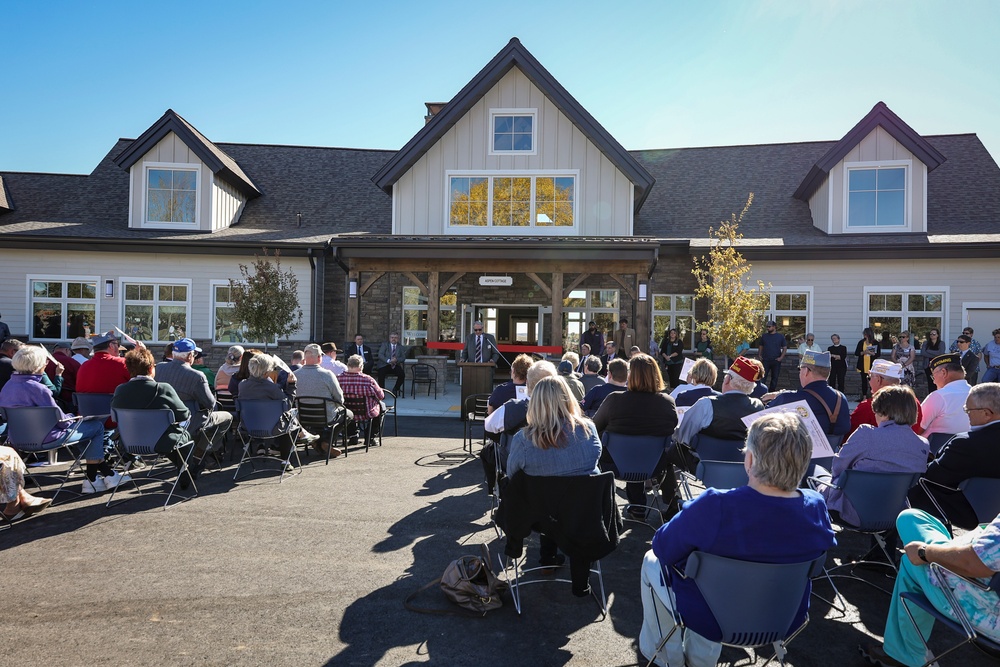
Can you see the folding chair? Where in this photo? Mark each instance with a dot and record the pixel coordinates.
(423, 374)
(359, 406)
(390, 409)
(224, 401)
(203, 439)
(636, 458)
(27, 429)
(476, 406)
(982, 494)
(259, 420)
(753, 603)
(961, 623)
(314, 414)
(937, 441)
(95, 405)
(722, 475)
(708, 448)
(138, 432)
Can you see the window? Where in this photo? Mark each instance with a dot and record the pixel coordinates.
(226, 331)
(890, 312)
(63, 308)
(790, 309)
(415, 316)
(513, 131)
(512, 201)
(584, 305)
(171, 195)
(876, 197)
(674, 311)
(156, 312)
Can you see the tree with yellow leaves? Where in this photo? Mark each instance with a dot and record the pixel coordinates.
(737, 305)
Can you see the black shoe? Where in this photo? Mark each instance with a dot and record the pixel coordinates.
(582, 592)
(550, 564)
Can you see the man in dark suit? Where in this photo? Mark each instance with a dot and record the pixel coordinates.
(970, 360)
(967, 455)
(480, 347)
(392, 356)
(359, 348)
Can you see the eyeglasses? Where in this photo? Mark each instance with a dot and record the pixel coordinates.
(478, 330)
(967, 409)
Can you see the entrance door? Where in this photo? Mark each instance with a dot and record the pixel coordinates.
(511, 324)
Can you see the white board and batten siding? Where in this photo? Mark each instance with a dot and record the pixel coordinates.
(838, 289)
(828, 204)
(219, 204)
(604, 194)
(200, 272)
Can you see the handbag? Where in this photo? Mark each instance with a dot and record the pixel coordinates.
(470, 583)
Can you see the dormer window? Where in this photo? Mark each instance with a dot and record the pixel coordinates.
(877, 197)
(513, 131)
(171, 195)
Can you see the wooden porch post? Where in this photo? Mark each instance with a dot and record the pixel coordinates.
(433, 307)
(557, 309)
(351, 321)
(642, 310)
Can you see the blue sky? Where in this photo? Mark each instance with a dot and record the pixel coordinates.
(79, 75)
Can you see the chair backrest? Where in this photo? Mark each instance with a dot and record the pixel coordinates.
(476, 406)
(27, 428)
(937, 441)
(424, 372)
(92, 404)
(708, 448)
(138, 430)
(753, 603)
(225, 401)
(983, 494)
(877, 497)
(312, 411)
(635, 456)
(260, 417)
(358, 405)
(722, 474)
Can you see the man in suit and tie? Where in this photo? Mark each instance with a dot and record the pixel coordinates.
(359, 348)
(480, 347)
(624, 338)
(392, 356)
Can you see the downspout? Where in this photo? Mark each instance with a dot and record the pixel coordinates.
(316, 296)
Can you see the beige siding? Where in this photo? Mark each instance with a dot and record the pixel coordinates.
(227, 204)
(604, 194)
(877, 146)
(839, 287)
(200, 270)
(819, 205)
(171, 150)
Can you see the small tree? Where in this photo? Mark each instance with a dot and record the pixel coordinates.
(736, 307)
(266, 300)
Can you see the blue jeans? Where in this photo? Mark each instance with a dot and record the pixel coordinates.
(992, 374)
(89, 436)
(772, 370)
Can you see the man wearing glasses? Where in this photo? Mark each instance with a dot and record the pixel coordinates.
(972, 454)
(105, 370)
(480, 347)
(943, 408)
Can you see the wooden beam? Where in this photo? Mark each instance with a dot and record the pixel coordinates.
(351, 320)
(572, 286)
(541, 285)
(451, 281)
(416, 281)
(625, 285)
(371, 281)
(496, 266)
(433, 309)
(642, 316)
(557, 308)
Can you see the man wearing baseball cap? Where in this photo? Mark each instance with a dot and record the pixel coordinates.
(883, 374)
(106, 370)
(829, 406)
(943, 409)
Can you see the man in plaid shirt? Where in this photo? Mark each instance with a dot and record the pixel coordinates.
(357, 385)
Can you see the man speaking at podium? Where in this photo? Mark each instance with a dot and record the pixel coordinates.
(480, 347)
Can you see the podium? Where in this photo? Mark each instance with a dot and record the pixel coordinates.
(476, 379)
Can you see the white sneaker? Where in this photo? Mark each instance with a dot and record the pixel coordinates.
(111, 481)
(97, 486)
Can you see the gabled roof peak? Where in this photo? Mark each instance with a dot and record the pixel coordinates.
(879, 116)
(217, 160)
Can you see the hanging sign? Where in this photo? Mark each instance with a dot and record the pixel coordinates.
(496, 281)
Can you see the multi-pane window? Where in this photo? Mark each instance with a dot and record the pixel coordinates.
(791, 311)
(63, 309)
(226, 331)
(674, 311)
(414, 329)
(512, 201)
(876, 197)
(889, 313)
(513, 132)
(156, 312)
(582, 306)
(171, 195)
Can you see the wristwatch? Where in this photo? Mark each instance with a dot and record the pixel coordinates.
(922, 553)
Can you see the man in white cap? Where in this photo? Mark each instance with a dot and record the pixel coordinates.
(82, 349)
(829, 406)
(883, 374)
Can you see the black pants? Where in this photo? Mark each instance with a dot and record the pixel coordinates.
(838, 376)
(400, 374)
(579, 570)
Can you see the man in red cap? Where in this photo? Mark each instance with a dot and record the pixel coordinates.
(721, 416)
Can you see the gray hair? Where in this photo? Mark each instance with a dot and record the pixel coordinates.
(234, 353)
(355, 361)
(739, 383)
(313, 350)
(986, 395)
(593, 364)
(30, 359)
(538, 370)
(781, 450)
(260, 365)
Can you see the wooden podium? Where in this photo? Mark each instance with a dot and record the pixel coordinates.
(476, 379)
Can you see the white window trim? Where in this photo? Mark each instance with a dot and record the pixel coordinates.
(211, 324)
(514, 112)
(673, 314)
(156, 282)
(909, 289)
(773, 312)
(29, 314)
(419, 333)
(144, 194)
(530, 230)
(907, 195)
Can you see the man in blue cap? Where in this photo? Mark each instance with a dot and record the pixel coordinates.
(828, 405)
